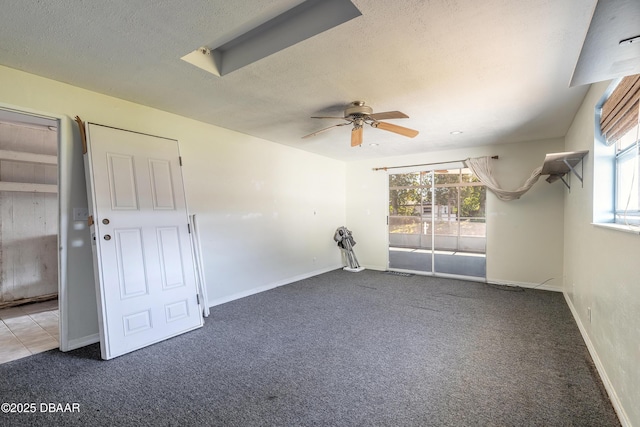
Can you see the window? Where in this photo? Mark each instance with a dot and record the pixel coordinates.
(627, 209)
(619, 126)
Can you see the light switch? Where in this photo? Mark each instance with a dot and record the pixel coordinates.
(80, 214)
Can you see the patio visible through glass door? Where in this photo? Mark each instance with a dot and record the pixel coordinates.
(437, 223)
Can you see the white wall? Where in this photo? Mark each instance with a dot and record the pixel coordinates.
(602, 274)
(524, 237)
(266, 212)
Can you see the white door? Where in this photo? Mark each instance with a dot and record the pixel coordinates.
(146, 286)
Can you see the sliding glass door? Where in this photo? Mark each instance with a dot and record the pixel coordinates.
(437, 223)
(410, 234)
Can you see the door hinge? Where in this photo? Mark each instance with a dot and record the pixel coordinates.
(180, 160)
(189, 228)
(198, 298)
(387, 219)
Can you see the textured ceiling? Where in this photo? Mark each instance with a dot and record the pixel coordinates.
(498, 70)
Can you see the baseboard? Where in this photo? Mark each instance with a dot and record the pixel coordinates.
(613, 396)
(374, 267)
(542, 287)
(270, 286)
(528, 285)
(82, 342)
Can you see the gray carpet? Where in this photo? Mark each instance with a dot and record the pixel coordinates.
(340, 349)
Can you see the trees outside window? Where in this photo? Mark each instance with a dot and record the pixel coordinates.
(448, 202)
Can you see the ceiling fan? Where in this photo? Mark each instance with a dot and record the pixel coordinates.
(357, 114)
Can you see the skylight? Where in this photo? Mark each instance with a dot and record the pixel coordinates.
(299, 23)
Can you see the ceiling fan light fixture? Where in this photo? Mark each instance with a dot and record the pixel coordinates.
(357, 108)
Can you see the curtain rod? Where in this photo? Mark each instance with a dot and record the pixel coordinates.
(424, 164)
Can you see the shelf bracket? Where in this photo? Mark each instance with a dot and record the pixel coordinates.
(575, 172)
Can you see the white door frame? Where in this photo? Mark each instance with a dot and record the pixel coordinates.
(65, 135)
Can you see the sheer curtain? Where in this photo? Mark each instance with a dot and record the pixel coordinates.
(481, 167)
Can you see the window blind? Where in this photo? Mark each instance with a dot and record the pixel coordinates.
(621, 110)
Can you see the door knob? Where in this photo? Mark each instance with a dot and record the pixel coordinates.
(107, 237)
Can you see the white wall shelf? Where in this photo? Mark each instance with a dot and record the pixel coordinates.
(27, 187)
(557, 165)
(32, 158)
(20, 156)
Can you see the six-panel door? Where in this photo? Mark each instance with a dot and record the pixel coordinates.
(147, 286)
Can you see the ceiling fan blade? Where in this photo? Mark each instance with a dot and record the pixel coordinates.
(395, 129)
(325, 129)
(356, 136)
(387, 115)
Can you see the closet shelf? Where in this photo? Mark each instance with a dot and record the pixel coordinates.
(557, 165)
(20, 156)
(27, 187)
(33, 158)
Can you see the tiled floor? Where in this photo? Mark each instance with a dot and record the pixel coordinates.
(28, 329)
